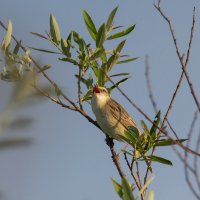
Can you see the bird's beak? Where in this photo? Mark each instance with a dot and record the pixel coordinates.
(96, 89)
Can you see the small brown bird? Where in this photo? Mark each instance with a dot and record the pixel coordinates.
(110, 115)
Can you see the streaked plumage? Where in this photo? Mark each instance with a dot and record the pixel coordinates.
(110, 115)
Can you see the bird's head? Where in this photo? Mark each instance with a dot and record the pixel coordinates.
(100, 92)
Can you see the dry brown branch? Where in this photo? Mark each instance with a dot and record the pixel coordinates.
(148, 82)
(183, 64)
(79, 88)
(139, 186)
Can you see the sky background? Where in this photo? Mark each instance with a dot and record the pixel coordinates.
(68, 158)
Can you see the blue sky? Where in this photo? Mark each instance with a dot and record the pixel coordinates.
(69, 158)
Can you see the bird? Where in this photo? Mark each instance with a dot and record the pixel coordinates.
(112, 118)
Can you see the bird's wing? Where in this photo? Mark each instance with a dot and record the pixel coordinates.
(119, 113)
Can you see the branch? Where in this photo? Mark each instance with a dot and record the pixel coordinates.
(74, 106)
(183, 65)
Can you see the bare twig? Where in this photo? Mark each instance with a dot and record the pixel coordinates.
(153, 102)
(115, 157)
(79, 88)
(183, 65)
(196, 168)
(137, 180)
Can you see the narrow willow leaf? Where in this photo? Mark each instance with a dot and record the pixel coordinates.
(110, 19)
(8, 36)
(117, 84)
(155, 125)
(88, 95)
(117, 187)
(127, 191)
(160, 160)
(121, 74)
(16, 49)
(39, 35)
(101, 36)
(124, 138)
(96, 54)
(126, 61)
(120, 46)
(69, 60)
(145, 128)
(15, 142)
(112, 61)
(44, 50)
(65, 47)
(102, 75)
(167, 142)
(54, 30)
(90, 25)
(121, 33)
(127, 152)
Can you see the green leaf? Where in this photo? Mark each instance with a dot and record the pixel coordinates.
(167, 142)
(101, 36)
(110, 19)
(96, 54)
(160, 160)
(120, 46)
(117, 187)
(121, 33)
(127, 191)
(117, 84)
(54, 30)
(44, 50)
(88, 95)
(125, 138)
(155, 125)
(121, 74)
(90, 25)
(126, 61)
(15, 142)
(145, 128)
(77, 38)
(39, 35)
(65, 47)
(16, 49)
(112, 61)
(69, 60)
(8, 36)
(102, 75)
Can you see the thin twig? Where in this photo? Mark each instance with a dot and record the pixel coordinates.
(196, 168)
(183, 65)
(115, 157)
(137, 180)
(153, 102)
(79, 88)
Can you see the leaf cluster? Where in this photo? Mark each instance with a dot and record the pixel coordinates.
(149, 139)
(94, 61)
